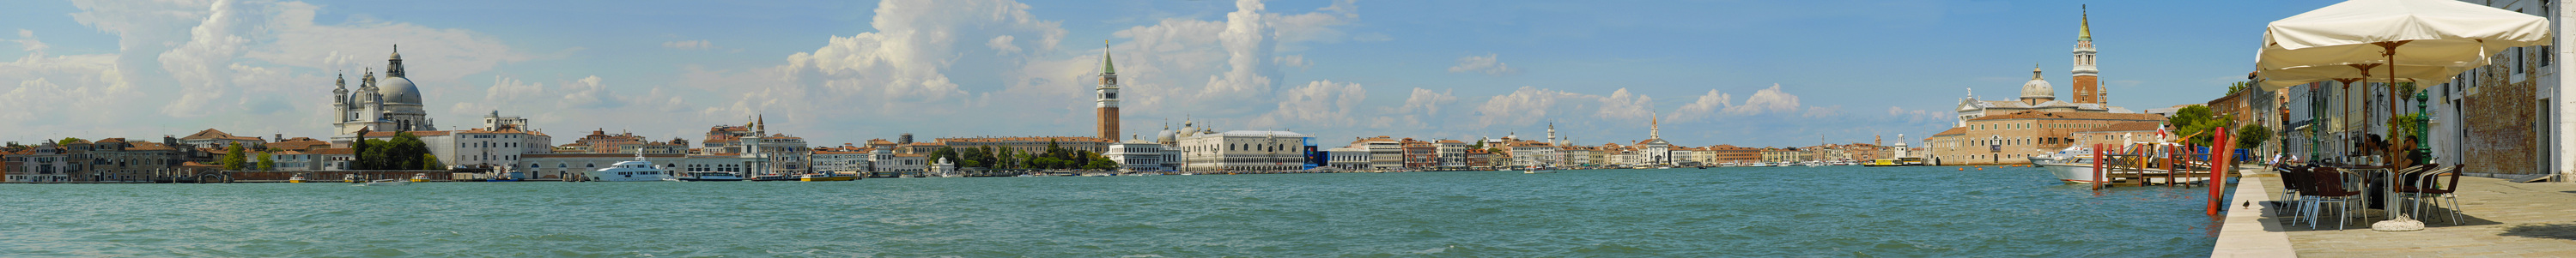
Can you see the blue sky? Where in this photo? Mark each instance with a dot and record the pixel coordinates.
(1748, 73)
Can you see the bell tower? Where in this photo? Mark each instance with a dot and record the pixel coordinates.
(1107, 95)
(2088, 88)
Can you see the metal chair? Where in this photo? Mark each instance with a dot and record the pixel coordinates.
(2327, 186)
(2436, 196)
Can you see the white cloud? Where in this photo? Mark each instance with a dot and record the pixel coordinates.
(1524, 106)
(1002, 43)
(1621, 105)
(1426, 102)
(1770, 100)
(689, 45)
(1318, 104)
(1490, 64)
(1705, 107)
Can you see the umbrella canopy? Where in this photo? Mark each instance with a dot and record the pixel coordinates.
(2433, 38)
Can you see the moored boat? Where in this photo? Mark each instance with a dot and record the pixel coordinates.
(827, 177)
(385, 182)
(707, 176)
(636, 170)
(421, 177)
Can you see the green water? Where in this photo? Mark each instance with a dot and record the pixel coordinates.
(1790, 211)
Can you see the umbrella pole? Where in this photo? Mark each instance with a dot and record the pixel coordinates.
(2390, 102)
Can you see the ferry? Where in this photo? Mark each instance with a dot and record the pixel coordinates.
(636, 170)
(1883, 163)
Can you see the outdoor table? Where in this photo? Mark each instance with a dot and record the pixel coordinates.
(2377, 181)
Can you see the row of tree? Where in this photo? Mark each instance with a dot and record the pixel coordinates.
(1054, 157)
(403, 152)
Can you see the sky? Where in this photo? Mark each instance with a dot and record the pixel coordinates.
(1745, 73)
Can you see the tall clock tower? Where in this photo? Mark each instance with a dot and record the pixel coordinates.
(1107, 96)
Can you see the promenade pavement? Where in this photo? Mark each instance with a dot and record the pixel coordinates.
(2498, 219)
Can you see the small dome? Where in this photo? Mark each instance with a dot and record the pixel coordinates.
(398, 90)
(2038, 88)
(1166, 136)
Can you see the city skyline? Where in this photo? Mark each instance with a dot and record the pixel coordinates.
(848, 72)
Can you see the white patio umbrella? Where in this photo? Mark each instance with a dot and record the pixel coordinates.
(2408, 39)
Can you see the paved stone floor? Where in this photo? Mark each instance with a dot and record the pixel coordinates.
(2498, 219)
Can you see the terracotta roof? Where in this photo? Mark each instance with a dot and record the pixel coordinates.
(149, 146)
(1953, 131)
(1029, 139)
(2071, 115)
(1451, 141)
(110, 140)
(2129, 127)
(332, 151)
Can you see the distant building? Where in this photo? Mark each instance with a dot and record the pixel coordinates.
(1242, 150)
(1452, 153)
(392, 104)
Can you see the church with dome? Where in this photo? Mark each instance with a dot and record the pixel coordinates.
(389, 104)
(2038, 95)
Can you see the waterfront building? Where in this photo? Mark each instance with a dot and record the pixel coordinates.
(1724, 153)
(1142, 155)
(2119, 133)
(1533, 153)
(48, 161)
(845, 158)
(2013, 138)
(1384, 152)
(1033, 144)
(1242, 150)
(1478, 158)
(1654, 150)
(116, 159)
(888, 161)
(211, 138)
(296, 144)
(313, 159)
(389, 105)
(11, 159)
(1583, 155)
(1347, 158)
(1419, 154)
(1452, 153)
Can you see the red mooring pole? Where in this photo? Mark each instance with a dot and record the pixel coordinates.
(2221, 159)
(2097, 167)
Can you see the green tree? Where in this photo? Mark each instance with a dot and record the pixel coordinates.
(945, 152)
(265, 163)
(361, 152)
(2198, 123)
(2251, 136)
(430, 162)
(232, 157)
(67, 141)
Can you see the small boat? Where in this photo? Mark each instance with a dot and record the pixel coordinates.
(827, 177)
(386, 182)
(296, 179)
(421, 177)
(2074, 165)
(1538, 170)
(1189, 174)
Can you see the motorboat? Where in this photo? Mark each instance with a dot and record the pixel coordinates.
(2075, 165)
(1538, 170)
(421, 177)
(707, 176)
(637, 170)
(385, 182)
(827, 176)
(299, 178)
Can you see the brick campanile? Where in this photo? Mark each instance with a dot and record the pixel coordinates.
(2088, 85)
(1107, 96)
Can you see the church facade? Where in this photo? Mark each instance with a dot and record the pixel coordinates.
(2010, 131)
(390, 104)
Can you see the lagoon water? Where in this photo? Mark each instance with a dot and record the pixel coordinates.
(1784, 211)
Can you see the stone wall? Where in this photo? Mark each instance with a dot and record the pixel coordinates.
(2501, 119)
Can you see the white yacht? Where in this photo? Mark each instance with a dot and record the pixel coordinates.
(636, 170)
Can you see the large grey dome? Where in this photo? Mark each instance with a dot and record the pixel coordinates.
(398, 90)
